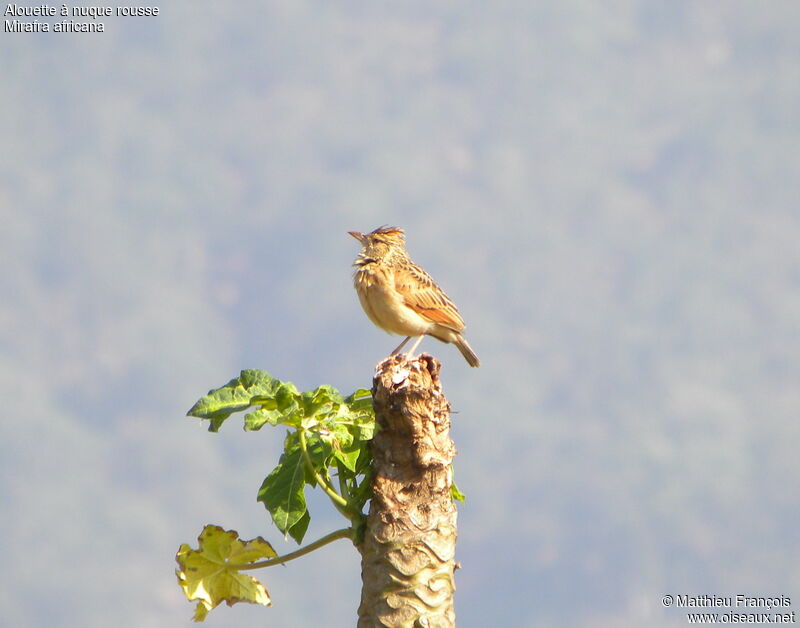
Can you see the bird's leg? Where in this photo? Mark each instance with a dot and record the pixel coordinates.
(401, 345)
(410, 354)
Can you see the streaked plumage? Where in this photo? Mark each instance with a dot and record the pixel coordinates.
(400, 297)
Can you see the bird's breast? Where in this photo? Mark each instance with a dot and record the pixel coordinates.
(384, 305)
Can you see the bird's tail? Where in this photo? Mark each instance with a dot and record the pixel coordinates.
(466, 350)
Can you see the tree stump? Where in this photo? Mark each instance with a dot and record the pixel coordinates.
(408, 552)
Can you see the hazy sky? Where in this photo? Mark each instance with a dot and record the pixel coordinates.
(609, 192)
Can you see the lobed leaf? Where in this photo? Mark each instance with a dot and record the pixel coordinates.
(250, 388)
(281, 403)
(210, 574)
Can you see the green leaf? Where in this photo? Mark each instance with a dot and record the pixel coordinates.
(251, 387)
(364, 427)
(321, 401)
(287, 399)
(337, 434)
(281, 403)
(359, 414)
(255, 420)
(360, 401)
(319, 452)
(259, 383)
(298, 530)
(215, 423)
(349, 457)
(346, 448)
(456, 494)
(359, 395)
(282, 492)
(364, 458)
(363, 491)
(210, 574)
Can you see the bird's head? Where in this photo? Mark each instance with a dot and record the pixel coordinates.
(381, 242)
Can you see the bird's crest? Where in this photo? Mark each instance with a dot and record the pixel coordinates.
(389, 233)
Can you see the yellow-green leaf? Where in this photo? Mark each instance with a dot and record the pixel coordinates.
(200, 612)
(210, 574)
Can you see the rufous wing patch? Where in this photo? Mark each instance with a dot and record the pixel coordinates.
(422, 295)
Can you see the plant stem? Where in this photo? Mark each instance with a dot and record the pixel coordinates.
(338, 501)
(344, 533)
(345, 492)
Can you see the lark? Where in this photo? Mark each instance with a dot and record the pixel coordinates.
(400, 297)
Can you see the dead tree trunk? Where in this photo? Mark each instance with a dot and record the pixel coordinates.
(407, 557)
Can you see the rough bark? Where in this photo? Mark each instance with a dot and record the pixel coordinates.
(407, 557)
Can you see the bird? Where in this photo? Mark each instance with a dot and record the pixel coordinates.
(399, 297)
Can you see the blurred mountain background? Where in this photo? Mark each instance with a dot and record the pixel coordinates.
(609, 191)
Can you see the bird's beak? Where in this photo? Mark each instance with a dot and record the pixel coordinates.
(357, 235)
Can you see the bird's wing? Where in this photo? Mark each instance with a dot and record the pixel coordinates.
(422, 295)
